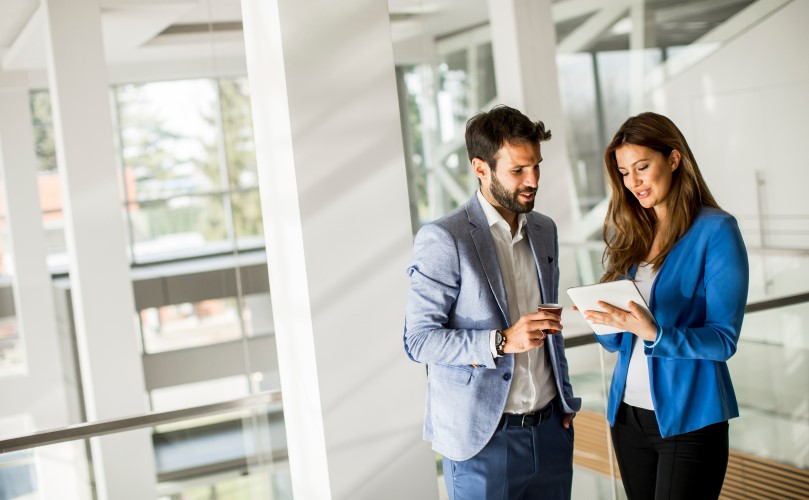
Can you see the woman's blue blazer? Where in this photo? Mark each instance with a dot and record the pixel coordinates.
(698, 299)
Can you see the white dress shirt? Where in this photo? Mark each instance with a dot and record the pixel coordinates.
(638, 392)
(532, 385)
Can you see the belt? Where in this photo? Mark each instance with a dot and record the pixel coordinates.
(527, 419)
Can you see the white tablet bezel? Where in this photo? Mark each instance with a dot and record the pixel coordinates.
(617, 293)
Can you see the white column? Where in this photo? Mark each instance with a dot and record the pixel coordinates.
(524, 46)
(336, 218)
(39, 394)
(637, 56)
(103, 304)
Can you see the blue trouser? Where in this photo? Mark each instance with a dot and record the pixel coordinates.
(530, 463)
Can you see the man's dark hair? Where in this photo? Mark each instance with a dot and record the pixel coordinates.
(489, 131)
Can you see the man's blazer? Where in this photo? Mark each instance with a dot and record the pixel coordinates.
(457, 297)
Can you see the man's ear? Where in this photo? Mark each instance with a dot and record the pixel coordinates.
(674, 159)
(481, 168)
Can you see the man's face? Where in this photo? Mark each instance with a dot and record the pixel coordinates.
(512, 186)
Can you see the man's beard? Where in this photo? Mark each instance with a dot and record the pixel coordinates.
(510, 201)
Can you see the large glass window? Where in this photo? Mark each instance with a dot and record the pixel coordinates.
(189, 167)
(50, 188)
(11, 349)
(189, 179)
(440, 98)
(191, 324)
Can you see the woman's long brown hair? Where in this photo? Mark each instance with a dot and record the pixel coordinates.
(629, 229)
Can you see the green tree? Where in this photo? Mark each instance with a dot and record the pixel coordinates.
(154, 157)
(239, 154)
(43, 130)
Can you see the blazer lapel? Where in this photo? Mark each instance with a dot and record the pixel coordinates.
(542, 259)
(544, 263)
(484, 244)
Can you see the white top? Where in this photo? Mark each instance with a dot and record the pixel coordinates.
(637, 392)
(532, 385)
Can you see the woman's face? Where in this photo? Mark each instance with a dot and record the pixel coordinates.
(647, 174)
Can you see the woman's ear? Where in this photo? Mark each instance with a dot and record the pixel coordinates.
(674, 159)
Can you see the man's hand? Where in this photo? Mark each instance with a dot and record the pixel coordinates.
(567, 418)
(527, 332)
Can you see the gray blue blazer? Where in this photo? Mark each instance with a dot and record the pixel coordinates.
(456, 298)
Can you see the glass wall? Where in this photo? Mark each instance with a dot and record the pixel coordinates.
(188, 179)
(12, 354)
(441, 97)
(202, 319)
(236, 455)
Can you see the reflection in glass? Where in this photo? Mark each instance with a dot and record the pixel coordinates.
(453, 95)
(184, 225)
(178, 139)
(17, 474)
(181, 326)
(606, 75)
(12, 359)
(235, 455)
(43, 130)
(168, 137)
(769, 371)
(440, 98)
(5, 268)
(257, 315)
(247, 223)
(11, 350)
(56, 471)
(579, 95)
(237, 129)
(486, 87)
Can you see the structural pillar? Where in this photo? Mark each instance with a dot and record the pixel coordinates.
(524, 46)
(101, 288)
(39, 394)
(637, 56)
(337, 225)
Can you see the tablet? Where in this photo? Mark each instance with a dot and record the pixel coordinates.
(617, 293)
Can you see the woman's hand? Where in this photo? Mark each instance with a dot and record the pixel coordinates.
(635, 320)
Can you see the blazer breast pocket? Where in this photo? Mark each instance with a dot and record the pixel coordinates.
(459, 375)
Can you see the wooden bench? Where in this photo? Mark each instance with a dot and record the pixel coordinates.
(748, 477)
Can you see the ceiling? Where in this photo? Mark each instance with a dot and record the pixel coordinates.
(142, 32)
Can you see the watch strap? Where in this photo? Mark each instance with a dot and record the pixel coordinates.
(499, 342)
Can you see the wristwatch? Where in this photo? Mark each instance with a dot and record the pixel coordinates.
(499, 342)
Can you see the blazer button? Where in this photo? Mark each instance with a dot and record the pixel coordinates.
(506, 376)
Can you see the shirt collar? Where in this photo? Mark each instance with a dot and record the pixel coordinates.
(493, 216)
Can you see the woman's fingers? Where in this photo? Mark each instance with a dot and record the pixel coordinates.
(596, 317)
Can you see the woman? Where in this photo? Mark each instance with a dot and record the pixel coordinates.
(671, 394)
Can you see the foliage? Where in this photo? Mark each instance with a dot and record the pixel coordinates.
(43, 130)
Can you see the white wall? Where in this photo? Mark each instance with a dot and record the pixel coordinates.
(743, 110)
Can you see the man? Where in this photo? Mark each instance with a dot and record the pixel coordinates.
(499, 402)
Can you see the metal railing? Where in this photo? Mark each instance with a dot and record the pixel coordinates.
(116, 425)
(111, 426)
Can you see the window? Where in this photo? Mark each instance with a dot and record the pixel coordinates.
(189, 180)
(180, 326)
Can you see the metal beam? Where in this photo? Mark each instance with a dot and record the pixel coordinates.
(583, 37)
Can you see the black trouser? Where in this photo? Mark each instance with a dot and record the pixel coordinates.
(688, 466)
